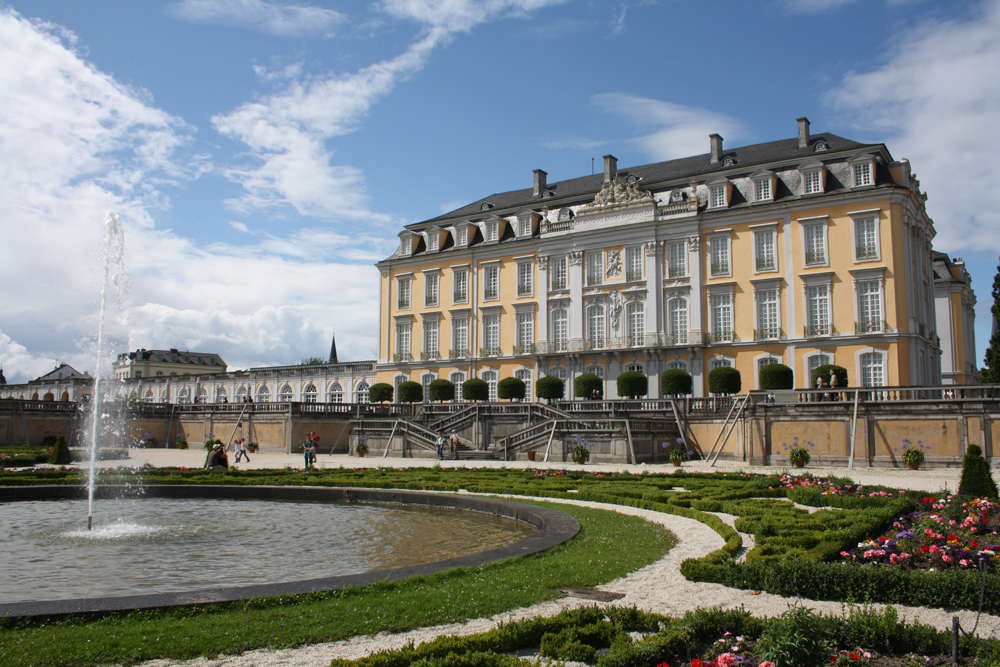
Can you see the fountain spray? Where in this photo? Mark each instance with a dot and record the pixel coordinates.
(114, 274)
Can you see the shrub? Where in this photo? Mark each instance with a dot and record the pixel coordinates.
(60, 454)
(977, 480)
(633, 383)
(475, 389)
(409, 392)
(441, 390)
(380, 392)
(776, 376)
(724, 380)
(825, 369)
(675, 382)
(586, 384)
(511, 388)
(181, 442)
(550, 387)
(797, 638)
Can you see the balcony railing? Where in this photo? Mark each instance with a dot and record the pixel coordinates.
(720, 268)
(677, 272)
(594, 281)
(771, 333)
(458, 354)
(633, 276)
(724, 336)
(402, 356)
(559, 284)
(524, 349)
(815, 330)
(489, 352)
(427, 356)
(866, 252)
(815, 258)
(871, 326)
(766, 264)
(596, 343)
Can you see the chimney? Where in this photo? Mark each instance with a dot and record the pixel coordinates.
(716, 147)
(803, 132)
(539, 182)
(610, 168)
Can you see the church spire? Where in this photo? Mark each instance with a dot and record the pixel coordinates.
(333, 350)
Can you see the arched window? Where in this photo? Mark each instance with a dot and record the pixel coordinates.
(634, 368)
(202, 395)
(147, 396)
(285, 394)
(361, 392)
(241, 394)
(165, 395)
(677, 321)
(680, 365)
(872, 369)
(263, 394)
(635, 323)
(595, 327)
(335, 393)
(524, 374)
(309, 395)
(221, 396)
(457, 378)
(184, 395)
(560, 330)
(490, 377)
(426, 382)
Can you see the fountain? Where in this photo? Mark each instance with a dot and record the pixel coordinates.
(114, 275)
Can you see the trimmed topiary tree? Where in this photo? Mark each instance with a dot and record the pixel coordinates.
(724, 380)
(380, 392)
(409, 392)
(550, 387)
(441, 390)
(60, 454)
(776, 376)
(584, 385)
(475, 389)
(824, 370)
(511, 388)
(990, 373)
(632, 383)
(977, 479)
(675, 382)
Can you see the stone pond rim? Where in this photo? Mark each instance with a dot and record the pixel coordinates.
(554, 527)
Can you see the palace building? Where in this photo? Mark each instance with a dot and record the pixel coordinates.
(806, 251)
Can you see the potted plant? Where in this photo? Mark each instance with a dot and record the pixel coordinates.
(530, 454)
(677, 456)
(181, 442)
(579, 450)
(361, 447)
(798, 455)
(913, 457)
(252, 447)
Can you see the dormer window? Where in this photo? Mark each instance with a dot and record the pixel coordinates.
(862, 171)
(405, 245)
(677, 196)
(812, 178)
(763, 186)
(485, 206)
(492, 230)
(565, 214)
(462, 235)
(718, 193)
(728, 161)
(548, 194)
(433, 240)
(821, 146)
(524, 226)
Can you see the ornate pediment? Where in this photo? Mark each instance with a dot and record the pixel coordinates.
(622, 191)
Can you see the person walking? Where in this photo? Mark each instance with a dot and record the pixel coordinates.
(241, 450)
(309, 451)
(440, 446)
(454, 444)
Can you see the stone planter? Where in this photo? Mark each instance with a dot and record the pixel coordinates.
(531, 454)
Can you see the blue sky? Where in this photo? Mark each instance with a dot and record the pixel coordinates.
(263, 154)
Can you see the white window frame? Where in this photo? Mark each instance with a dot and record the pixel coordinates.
(763, 188)
(721, 315)
(524, 226)
(462, 235)
(431, 338)
(361, 392)
(594, 268)
(491, 281)
(866, 369)
(634, 263)
(597, 332)
(491, 334)
(765, 250)
(432, 289)
(767, 312)
(677, 259)
(490, 376)
(720, 257)
(813, 360)
(811, 256)
(524, 331)
(460, 285)
(559, 273)
(335, 393)
(718, 193)
(819, 292)
(869, 295)
(525, 375)
(491, 231)
(866, 236)
(678, 323)
(459, 337)
(560, 330)
(525, 278)
(813, 181)
(405, 245)
(433, 240)
(404, 292)
(862, 171)
(635, 323)
(404, 341)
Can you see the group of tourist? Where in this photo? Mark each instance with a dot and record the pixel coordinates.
(309, 446)
(444, 440)
(823, 383)
(218, 459)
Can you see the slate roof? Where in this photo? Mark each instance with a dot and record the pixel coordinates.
(176, 356)
(682, 169)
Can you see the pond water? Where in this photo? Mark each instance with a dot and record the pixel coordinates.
(159, 545)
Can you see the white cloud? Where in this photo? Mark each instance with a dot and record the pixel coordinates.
(271, 17)
(20, 365)
(669, 130)
(936, 102)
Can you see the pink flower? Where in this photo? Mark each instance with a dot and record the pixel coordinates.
(767, 663)
(946, 558)
(726, 660)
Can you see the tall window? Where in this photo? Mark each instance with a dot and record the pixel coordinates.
(457, 378)
(403, 341)
(431, 283)
(525, 332)
(595, 268)
(524, 375)
(869, 306)
(491, 283)
(460, 292)
(595, 327)
(460, 337)
(722, 317)
(872, 370)
(719, 249)
(361, 392)
(678, 311)
(765, 255)
(815, 238)
(335, 394)
(285, 395)
(425, 381)
(635, 322)
(818, 310)
(525, 279)
(677, 259)
(560, 330)
(403, 294)
(491, 334)
(767, 315)
(491, 382)
(766, 361)
(866, 238)
(559, 272)
(309, 394)
(862, 174)
(263, 394)
(633, 264)
(431, 339)
(816, 361)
